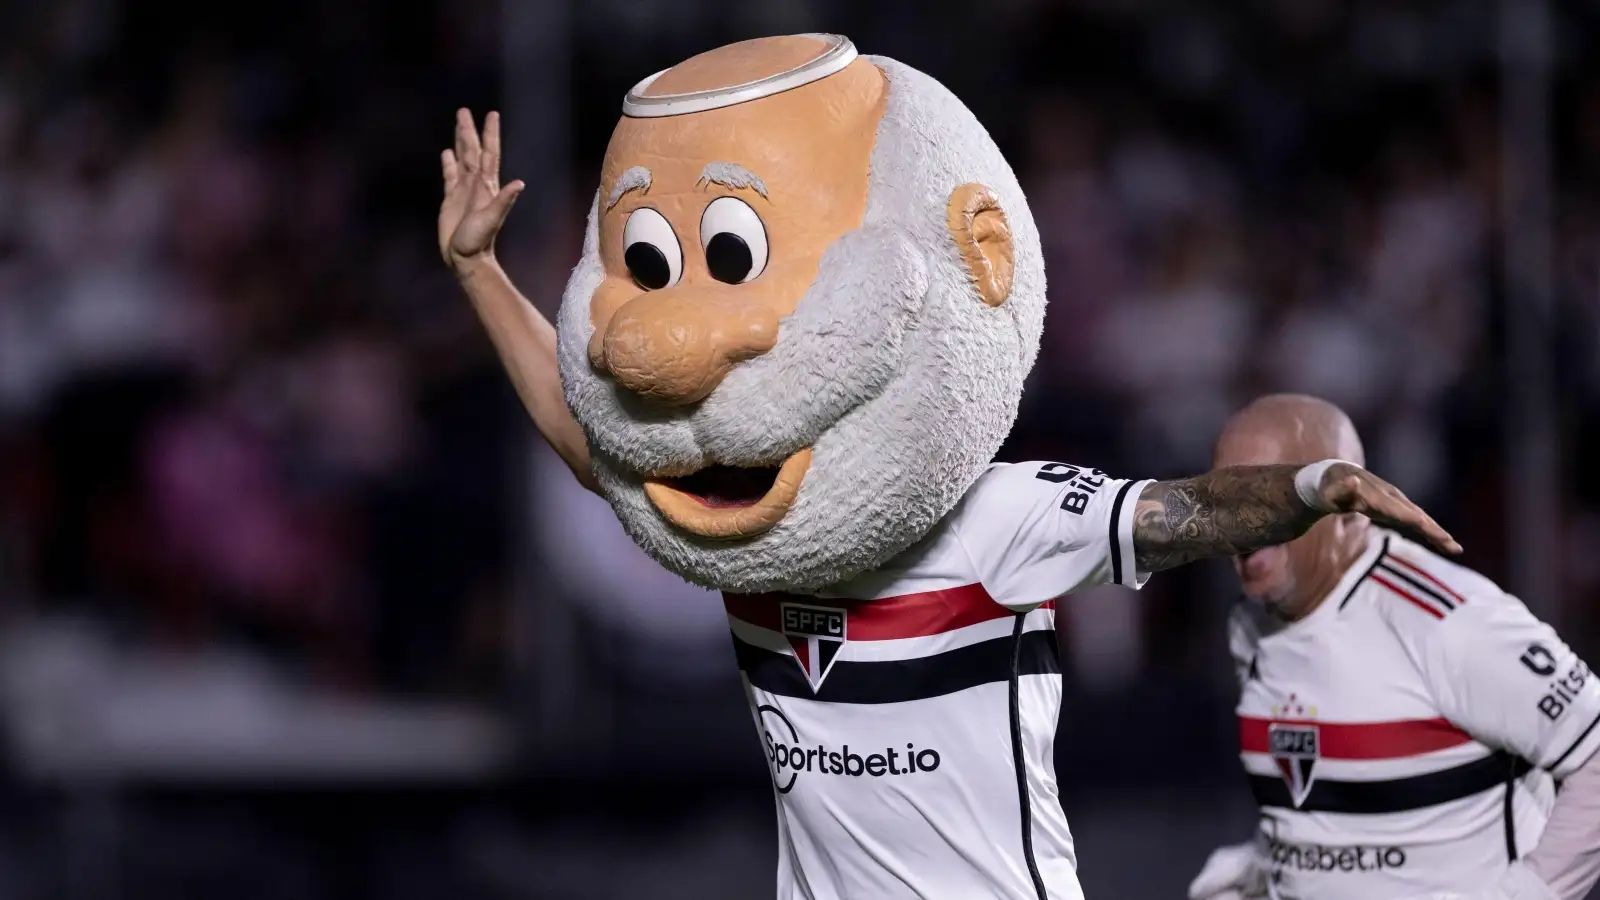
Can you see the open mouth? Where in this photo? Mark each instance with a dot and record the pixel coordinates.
(726, 487)
(728, 502)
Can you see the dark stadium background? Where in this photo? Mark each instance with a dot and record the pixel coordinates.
(292, 605)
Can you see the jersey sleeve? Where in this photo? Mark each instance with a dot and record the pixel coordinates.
(1038, 530)
(1509, 680)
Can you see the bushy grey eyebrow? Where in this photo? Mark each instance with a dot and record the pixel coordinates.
(732, 175)
(636, 178)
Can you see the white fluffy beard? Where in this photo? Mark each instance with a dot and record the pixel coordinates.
(861, 373)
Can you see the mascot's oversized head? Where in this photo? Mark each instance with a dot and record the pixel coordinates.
(809, 295)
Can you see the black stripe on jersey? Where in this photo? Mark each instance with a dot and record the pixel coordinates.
(1020, 761)
(1575, 745)
(899, 681)
(1508, 815)
(1383, 552)
(1116, 536)
(1432, 592)
(1395, 795)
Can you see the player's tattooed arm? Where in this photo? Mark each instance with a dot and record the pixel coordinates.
(1221, 513)
(1238, 509)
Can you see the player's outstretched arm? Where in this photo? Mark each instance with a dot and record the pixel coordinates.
(1242, 508)
(475, 207)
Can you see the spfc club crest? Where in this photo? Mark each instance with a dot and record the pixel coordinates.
(816, 633)
(1294, 749)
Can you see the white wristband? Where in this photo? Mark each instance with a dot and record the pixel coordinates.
(1308, 484)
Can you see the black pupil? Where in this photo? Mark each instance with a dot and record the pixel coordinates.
(648, 265)
(728, 257)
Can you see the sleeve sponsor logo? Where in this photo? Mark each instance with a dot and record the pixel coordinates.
(788, 757)
(1084, 485)
(1539, 660)
(1561, 692)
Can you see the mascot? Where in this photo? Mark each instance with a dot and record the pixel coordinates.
(809, 296)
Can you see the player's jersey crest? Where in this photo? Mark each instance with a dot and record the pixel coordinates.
(816, 633)
(1294, 748)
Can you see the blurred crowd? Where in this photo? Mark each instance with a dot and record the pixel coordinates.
(238, 398)
(241, 403)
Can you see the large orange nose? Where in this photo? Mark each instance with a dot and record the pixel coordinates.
(675, 346)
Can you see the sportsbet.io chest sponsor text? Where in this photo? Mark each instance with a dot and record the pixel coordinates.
(790, 757)
(1317, 858)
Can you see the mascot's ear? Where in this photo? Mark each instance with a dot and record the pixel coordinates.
(983, 236)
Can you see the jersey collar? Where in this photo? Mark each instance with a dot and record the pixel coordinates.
(1377, 548)
(1345, 588)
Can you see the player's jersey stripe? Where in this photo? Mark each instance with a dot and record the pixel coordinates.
(1508, 819)
(1396, 795)
(901, 681)
(1421, 604)
(1421, 587)
(1555, 766)
(1360, 740)
(1019, 759)
(1116, 538)
(893, 618)
(1355, 586)
(1413, 567)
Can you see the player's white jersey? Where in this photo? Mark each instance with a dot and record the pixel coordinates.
(1404, 737)
(909, 716)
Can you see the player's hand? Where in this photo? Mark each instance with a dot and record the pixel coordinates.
(1349, 489)
(1231, 873)
(475, 205)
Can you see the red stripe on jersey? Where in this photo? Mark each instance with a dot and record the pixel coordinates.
(1422, 605)
(906, 616)
(1360, 740)
(1437, 583)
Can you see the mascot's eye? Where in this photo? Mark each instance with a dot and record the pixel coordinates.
(651, 250)
(735, 240)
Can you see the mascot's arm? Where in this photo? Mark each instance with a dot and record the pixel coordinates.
(1242, 508)
(474, 208)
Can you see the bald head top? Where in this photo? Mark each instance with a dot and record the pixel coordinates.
(1288, 428)
(739, 73)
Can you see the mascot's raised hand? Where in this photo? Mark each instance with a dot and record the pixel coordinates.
(475, 205)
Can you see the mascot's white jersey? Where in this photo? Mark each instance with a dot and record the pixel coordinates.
(909, 716)
(1405, 736)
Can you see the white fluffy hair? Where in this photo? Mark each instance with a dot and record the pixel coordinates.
(891, 367)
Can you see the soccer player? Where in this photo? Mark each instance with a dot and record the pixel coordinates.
(1408, 728)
